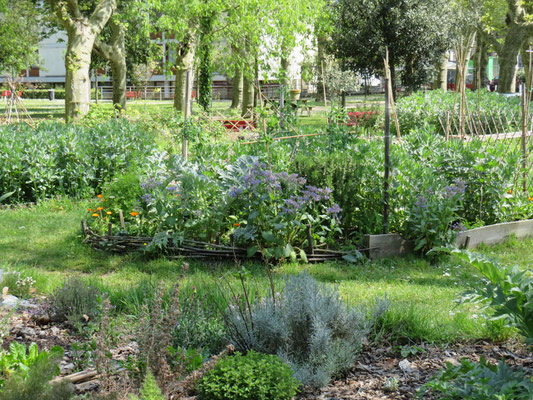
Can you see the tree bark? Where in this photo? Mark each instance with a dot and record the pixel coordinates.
(480, 63)
(115, 53)
(82, 32)
(184, 63)
(319, 64)
(248, 96)
(508, 58)
(441, 78)
(237, 85)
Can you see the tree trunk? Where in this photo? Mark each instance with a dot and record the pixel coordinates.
(480, 63)
(284, 72)
(248, 97)
(237, 85)
(119, 76)
(319, 65)
(441, 79)
(515, 38)
(115, 53)
(82, 32)
(526, 60)
(184, 64)
(78, 81)
(205, 76)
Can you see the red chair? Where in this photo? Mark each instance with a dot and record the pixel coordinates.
(6, 93)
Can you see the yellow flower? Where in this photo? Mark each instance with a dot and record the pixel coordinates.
(134, 213)
(530, 198)
(96, 215)
(109, 213)
(99, 208)
(510, 191)
(100, 196)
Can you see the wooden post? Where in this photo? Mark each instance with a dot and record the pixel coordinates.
(323, 83)
(387, 161)
(121, 216)
(184, 142)
(524, 133)
(110, 229)
(281, 106)
(311, 250)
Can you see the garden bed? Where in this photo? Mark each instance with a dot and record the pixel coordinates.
(189, 248)
(389, 245)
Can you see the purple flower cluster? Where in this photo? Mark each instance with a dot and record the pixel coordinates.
(458, 188)
(316, 194)
(150, 184)
(421, 201)
(293, 204)
(146, 198)
(172, 188)
(334, 210)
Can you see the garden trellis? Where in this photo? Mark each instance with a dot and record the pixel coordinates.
(512, 127)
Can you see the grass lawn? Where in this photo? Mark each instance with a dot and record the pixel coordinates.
(45, 242)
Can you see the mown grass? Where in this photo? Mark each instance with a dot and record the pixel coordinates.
(45, 241)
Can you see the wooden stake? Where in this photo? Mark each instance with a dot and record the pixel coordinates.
(121, 216)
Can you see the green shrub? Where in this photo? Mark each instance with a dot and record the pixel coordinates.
(253, 376)
(57, 159)
(75, 302)
(308, 326)
(479, 381)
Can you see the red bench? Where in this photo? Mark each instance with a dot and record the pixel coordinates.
(237, 125)
(7, 93)
(132, 95)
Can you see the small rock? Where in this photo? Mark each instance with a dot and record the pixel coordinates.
(67, 368)
(405, 366)
(27, 331)
(452, 361)
(54, 330)
(43, 319)
(10, 301)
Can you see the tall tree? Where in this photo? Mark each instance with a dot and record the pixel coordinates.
(82, 29)
(415, 32)
(19, 36)
(124, 42)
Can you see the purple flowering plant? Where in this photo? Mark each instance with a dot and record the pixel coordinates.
(432, 220)
(272, 211)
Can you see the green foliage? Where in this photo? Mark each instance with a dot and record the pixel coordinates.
(42, 94)
(199, 329)
(149, 390)
(253, 376)
(57, 159)
(36, 383)
(18, 285)
(76, 302)
(479, 381)
(414, 32)
(429, 108)
(429, 219)
(19, 360)
(308, 326)
(19, 36)
(509, 292)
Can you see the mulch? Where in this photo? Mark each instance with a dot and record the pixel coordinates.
(377, 369)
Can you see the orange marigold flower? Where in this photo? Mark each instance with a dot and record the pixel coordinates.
(509, 191)
(99, 208)
(100, 196)
(134, 213)
(109, 213)
(530, 198)
(90, 209)
(236, 224)
(96, 215)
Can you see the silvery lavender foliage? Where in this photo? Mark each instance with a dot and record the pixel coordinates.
(308, 326)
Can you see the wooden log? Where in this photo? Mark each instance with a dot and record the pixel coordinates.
(121, 216)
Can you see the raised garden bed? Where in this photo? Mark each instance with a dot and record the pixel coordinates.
(390, 245)
(188, 248)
